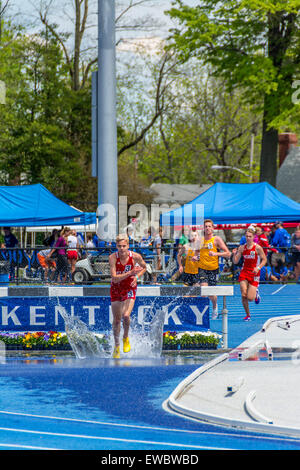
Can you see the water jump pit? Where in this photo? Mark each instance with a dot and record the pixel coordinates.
(52, 400)
(79, 319)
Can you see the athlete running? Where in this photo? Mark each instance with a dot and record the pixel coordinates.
(211, 249)
(254, 259)
(125, 269)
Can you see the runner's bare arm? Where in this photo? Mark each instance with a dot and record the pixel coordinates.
(141, 269)
(263, 258)
(237, 253)
(199, 244)
(180, 254)
(116, 278)
(224, 251)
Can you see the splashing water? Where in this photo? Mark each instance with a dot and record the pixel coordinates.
(83, 342)
(146, 339)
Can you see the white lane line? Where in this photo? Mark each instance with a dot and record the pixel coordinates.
(275, 292)
(103, 423)
(22, 446)
(113, 439)
(151, 428)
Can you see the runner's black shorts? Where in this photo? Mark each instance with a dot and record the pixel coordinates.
(190, 279)
(211, 277)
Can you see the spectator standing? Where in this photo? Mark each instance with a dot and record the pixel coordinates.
(51, 240)
(281, 239)
(263, 241)
(157, 247)
(72, 251)
(295, 243)
(90, 243)
(11, 242)
(184, 238)
(62, 265)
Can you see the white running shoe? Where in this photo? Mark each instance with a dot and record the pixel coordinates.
(215, 314)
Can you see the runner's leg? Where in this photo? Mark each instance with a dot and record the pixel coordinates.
(244, 292)
(117, 317)
(251, 292)
(127, 307)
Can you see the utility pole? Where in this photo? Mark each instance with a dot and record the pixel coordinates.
(105, 158)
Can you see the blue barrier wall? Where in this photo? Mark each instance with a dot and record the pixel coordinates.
(29, 311)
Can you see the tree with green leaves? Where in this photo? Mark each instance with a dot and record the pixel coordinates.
(254, 46)
(203, 125)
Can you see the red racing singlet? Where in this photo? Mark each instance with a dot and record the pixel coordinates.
(251, 259)
(121, 291)
(124, 268)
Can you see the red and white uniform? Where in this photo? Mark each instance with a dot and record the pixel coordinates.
(251, 261)
(264, 243)
(120, 291)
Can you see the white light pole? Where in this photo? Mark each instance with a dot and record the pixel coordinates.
(107, 165)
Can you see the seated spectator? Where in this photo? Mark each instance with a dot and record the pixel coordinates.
(46, 263)
(146, 243)
(278, 272)
(264, 274)
(295, 244)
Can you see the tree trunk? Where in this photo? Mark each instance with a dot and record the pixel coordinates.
(281, 28)
(269, 151)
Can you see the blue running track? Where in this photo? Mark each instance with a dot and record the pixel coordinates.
(69, 404)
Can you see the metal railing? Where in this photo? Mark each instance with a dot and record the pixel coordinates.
(22, 265)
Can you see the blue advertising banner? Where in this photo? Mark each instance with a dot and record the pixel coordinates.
(45, 313)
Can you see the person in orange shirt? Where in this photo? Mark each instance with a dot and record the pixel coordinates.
(191, 266)
(46, 263)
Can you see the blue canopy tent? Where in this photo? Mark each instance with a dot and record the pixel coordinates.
(33, 205)
(227, 203)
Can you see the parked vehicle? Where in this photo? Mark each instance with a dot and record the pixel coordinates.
(96, 268)
(90, 269)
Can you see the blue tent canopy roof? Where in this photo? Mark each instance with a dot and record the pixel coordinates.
(228, 203)
(33, 205)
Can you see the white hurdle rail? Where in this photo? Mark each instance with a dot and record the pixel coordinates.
(220, 291)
